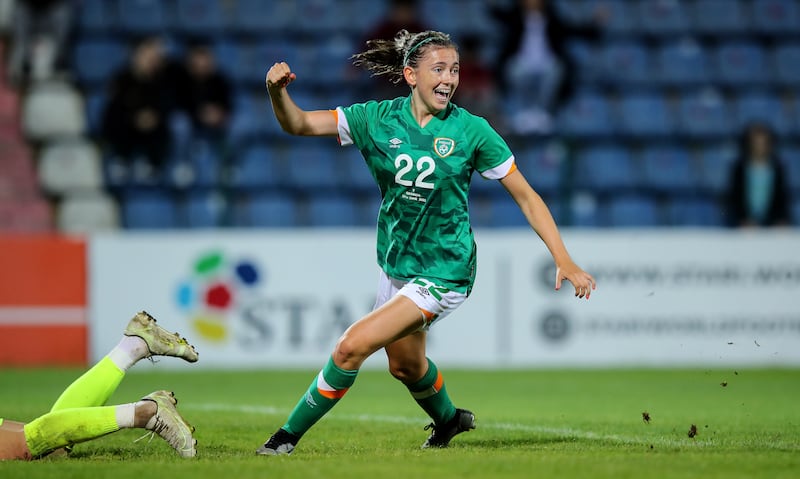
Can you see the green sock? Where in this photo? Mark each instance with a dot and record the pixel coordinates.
(325, 391)
(431, 394)
(69, 426)
(93, 388)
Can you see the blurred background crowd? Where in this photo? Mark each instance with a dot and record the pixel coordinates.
(140, 114)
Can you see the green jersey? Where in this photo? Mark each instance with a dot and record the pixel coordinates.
(424, 176)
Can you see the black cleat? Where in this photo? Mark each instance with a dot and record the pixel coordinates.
(282, 442)
(463, 421)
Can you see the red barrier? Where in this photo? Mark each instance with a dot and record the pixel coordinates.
(43, 301)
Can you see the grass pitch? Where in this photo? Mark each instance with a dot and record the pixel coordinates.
(540, 423)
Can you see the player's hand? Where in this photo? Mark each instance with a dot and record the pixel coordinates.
(279, 76)
(583, 282)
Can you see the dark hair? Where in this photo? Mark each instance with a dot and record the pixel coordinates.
(389, 57)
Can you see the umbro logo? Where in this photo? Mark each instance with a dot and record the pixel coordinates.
(395, 142)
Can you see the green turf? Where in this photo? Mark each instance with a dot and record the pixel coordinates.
(563, 424)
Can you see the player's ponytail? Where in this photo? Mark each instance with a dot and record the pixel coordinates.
(389, 57)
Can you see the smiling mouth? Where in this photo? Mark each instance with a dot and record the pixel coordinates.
(441, 94)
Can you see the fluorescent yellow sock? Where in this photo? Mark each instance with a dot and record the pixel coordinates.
(93, 388)
(69, 426)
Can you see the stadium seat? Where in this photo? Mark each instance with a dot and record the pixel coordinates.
(588, 114)
(149, 210)
(704, 114)
(353, 172)
(623, 16)
(626, 62)
(266, 210)
(606, 169)
(29, 215)
(256, 167)
(668, 169)
(786, 59)
(95, 102)
(260, 18)
(719, 17)
(70, 167)
(741, 63)
(694, 212)
(97, 16)
(543, 166)
(633, 211)
(790, 156)
(776, 16)
(645, 114)
(87, 213)
(200, 167)
(333, 211)
(764, 107)
(715, 166)
(585, 212)
(252, 119)
(312, 167)
(204, 209)
(141, 17)
(320, 18)
(683, 63)
(53, 110)
(200, 17)
(96, 60)
(664, 17)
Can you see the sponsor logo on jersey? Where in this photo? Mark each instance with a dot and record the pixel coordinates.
(395, 142)
(444, 146)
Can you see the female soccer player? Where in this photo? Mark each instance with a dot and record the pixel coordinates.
(79, 413)
(422, 150)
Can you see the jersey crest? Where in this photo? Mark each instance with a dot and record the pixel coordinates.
(444, 146)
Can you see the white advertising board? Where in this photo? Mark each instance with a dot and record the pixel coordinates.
(281, 298)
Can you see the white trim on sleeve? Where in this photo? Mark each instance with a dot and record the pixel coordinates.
(345, 138)
(500, 171)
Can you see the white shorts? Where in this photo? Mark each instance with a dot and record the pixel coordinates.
(434, 301)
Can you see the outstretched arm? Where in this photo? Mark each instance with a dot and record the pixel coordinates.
(540, 219)
(292, 119)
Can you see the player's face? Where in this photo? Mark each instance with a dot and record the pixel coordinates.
(436, 77)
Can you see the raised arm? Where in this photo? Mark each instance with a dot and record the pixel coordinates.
(292, 119)
(540, 219)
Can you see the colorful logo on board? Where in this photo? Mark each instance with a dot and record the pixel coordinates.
(213, 293)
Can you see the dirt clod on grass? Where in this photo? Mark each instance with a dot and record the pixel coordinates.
(646, 417)
(692, 431)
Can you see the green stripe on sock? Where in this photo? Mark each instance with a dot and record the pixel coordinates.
(432, 399)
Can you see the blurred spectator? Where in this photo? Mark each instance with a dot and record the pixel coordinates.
(758, 195)
(135, 121)
(477, 89)
(536, 71)
(39, 34)
(402, 15)
(204, 92)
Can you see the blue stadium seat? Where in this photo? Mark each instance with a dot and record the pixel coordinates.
(715, 166)
(626, 62)
(200, 17)
(741, 63)
(542, 166)
(252, 118)
(587, 114)
(205, 209)
(267, 52)
(704, 114)
(589, 68)
(776, 16)
(198, 166)
(668, 169)
(312, 167)
(142, 16)
(260, 18)
(352, 171)
(364, 14)
(96, 16)
(606, 169)
(149, 210)
(664, 17)
(695, 212)
(765, 107)
(95, 60)
(95, 104)
(503, 212)
(683, 63)
(623, 16)
(645, 114)
(633, 211)
(267, 210)
(719, 17)
(786, 59)
(320, 18)
(333, 211)
(790, 156)
(256, 167)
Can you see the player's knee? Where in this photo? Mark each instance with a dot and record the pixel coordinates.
(350, 353)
